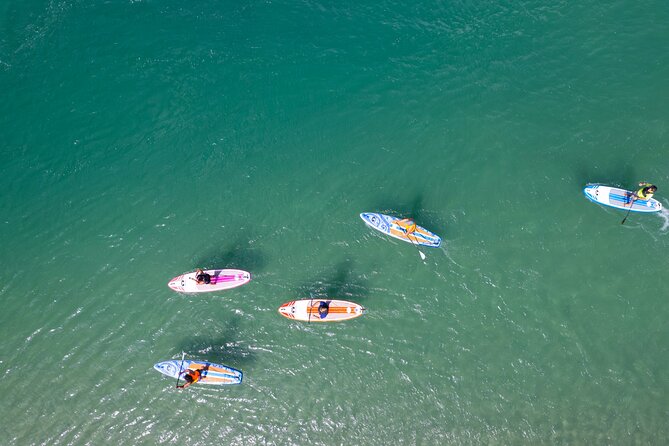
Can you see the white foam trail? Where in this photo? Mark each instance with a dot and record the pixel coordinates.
(664, 214)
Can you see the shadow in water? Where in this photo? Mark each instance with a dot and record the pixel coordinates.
(222, 349)
(413, 209)
(238, 254)
(340, 283)
(624, 176)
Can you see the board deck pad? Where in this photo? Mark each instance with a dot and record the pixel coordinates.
(619, 199)
(212, 374)
(388, 225)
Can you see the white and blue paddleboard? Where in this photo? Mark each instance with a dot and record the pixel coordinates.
(388, 225)
(211, 373)
(620, 199)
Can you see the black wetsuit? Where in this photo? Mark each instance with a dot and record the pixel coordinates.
(204, 277)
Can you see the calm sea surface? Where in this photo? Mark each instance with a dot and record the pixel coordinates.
(142, 139)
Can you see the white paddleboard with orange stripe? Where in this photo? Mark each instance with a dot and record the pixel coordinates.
(212, 374)
(307, 310)
(389, 226)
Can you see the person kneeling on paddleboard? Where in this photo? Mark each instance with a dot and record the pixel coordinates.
(645, 193)
(407, 225)
(323, 309)
(190, 377)
(201, 277)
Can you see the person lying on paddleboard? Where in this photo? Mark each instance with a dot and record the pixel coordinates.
(407, 225)
(201, 277)
(190, 377)
(323, 309)
(645, 193)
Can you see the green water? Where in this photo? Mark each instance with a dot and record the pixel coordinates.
(142, 139)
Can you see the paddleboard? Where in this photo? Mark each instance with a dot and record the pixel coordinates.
(212, 374)
(307, 310)
(388, 225)
(221, 279)
(619, 199)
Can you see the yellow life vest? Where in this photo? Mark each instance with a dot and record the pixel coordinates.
(643, 196)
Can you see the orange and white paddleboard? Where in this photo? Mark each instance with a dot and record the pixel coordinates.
(391, 226)
(307, 310)
(214, 374)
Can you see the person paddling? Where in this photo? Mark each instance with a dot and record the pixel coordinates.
(202, 278)
(190, 377)
(645, 193)
(323, 309)
(407, 225)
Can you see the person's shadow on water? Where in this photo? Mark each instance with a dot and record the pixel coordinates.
(340, 284)
(224, 349)
(237, 254)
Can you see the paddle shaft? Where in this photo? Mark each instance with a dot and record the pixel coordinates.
(183, 355)
(422, 256)
(629, 210)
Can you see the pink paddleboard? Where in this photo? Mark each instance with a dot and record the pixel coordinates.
(221, 279)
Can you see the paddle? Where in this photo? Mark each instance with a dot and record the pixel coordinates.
(407, 233)
(309, 310)
(629, 210)
(422, 256)
(183, 355)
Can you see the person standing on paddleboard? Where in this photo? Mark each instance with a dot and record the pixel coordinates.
(191, 377)
(407, 225)
(202, 278)
(645, 193)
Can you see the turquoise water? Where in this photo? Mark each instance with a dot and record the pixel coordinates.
(142, 139)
